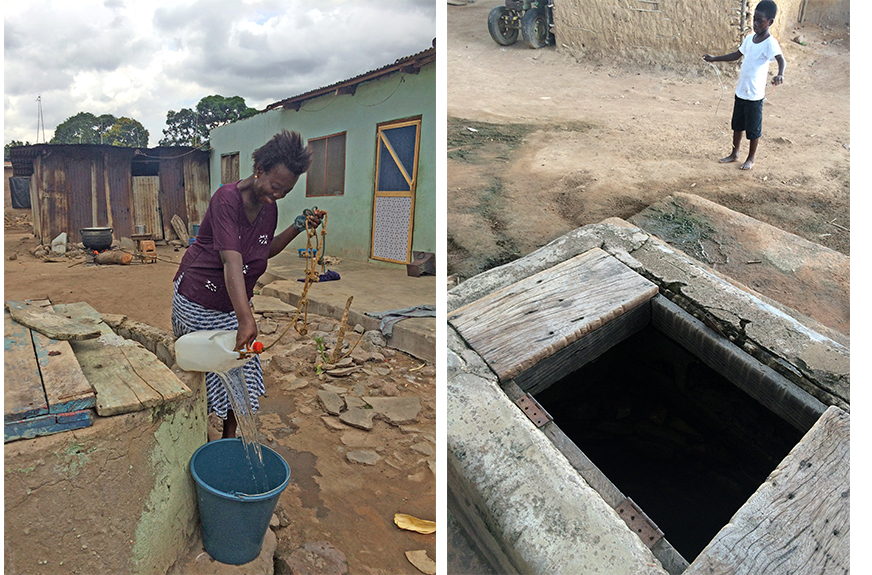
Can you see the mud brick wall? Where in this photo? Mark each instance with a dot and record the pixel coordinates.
(668, 33)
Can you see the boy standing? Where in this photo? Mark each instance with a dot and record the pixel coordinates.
(758, 49)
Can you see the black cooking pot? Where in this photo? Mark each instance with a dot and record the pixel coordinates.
(97, 239)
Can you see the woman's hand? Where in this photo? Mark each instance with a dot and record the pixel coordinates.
(246, 333)
(314, 217)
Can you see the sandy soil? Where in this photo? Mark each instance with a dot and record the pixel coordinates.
(330, 499)
(540, 143)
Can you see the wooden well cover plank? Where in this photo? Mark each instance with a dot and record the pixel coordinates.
(516, 327)
(157, 375)
(798, 520)
(119, 388)
(23, 395)
(66, 387)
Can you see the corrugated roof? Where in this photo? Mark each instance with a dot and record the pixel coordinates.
(410, 65)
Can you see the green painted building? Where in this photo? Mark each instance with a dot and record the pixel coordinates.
(374, 169)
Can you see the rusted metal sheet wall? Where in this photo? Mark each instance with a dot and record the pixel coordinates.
(76, 166)
(197, 192)
(172, 190)
(120, 198)
(83, 186)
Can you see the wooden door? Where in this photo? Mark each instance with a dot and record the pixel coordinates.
(396, 178)
(146, 205)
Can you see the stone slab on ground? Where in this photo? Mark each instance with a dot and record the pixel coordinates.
(314, 558)
(396, 410)
(268, 304)
(199, 562)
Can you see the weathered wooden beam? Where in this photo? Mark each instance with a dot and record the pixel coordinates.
(23, 395)
(46, 425)
(516, 327)
(46, 322)
(66, 387)
(584, 350)
(798, 520)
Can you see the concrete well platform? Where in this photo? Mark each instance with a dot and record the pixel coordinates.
(531, 508)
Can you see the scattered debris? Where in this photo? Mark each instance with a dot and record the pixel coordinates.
(421, 561)
(410, 523)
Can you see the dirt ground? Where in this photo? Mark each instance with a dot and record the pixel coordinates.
(350, 505)
(540, 143)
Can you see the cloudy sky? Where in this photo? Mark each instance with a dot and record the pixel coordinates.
(141, 58)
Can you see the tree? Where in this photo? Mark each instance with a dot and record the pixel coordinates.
(127, 132)
(83, 128)
(191, 127)
(183, 129)
(216, 110)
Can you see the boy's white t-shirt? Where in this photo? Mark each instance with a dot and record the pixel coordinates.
(755, 67)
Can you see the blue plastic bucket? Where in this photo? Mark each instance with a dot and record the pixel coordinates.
(234, 515)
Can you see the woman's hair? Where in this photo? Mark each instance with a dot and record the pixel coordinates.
(287, 149)
(768, 8)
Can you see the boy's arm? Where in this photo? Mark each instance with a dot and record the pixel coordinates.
(780, 77)
(732, 57)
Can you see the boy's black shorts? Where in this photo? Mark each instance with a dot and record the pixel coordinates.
(748, 116)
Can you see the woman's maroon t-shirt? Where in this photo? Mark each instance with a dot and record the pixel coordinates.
(226, 227)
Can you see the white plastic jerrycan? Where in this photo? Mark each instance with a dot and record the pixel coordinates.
(212, 350)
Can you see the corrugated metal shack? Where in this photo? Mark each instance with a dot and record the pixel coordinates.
(84, 186)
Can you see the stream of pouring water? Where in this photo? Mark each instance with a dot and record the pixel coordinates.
(237, 392)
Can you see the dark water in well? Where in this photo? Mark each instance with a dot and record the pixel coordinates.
(672, 434)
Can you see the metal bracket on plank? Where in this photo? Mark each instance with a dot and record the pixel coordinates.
(640, 523)
(533, 410)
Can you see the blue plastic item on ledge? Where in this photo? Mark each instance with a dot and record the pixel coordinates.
(302, 252)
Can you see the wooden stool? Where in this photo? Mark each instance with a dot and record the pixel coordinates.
(148, 250)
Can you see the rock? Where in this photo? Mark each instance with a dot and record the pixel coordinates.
(267, 304)
(316, 558)
(365, 457)
(283, 363)
(396, 410)
(332, 402)
(292, 383)
(382, 371)
(345, 372)
(198, 562)
(359, 390)
(424, 448)
(345, 362)
(333, 424)
(334, 388)
(800, 39)
(372, 341)
(305, 410)
(274, 521)
(359, 328)
(358, 417)
(354, 401)
(357, 439)
(266, 327)
(13, 257)
(390, 389)
(421, 561)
